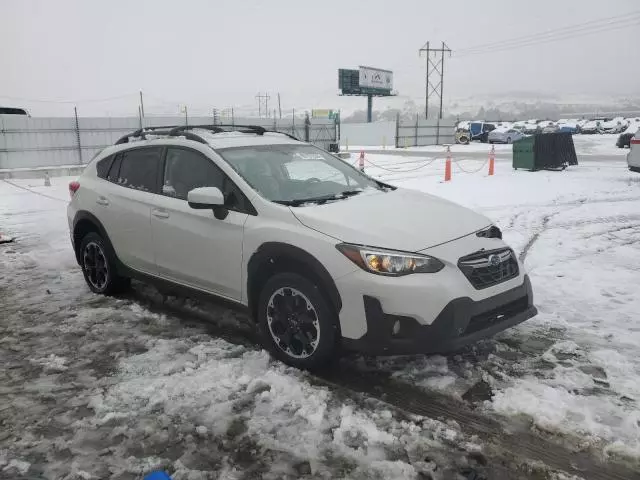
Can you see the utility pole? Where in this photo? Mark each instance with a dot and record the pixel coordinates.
(279, 106)
(141, 105)
(263, 98)
(435, 72)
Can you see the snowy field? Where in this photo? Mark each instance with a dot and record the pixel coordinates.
(96, 387)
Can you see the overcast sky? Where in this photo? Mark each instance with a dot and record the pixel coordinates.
(221, 53)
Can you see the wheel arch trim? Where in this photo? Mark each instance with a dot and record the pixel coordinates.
(269, 251)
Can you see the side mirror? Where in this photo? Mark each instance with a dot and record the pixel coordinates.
(205, 198)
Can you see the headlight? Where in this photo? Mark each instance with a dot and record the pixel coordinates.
(389, 262)
(491, 232)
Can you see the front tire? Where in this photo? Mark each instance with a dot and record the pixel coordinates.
(99, 266)
(297, 324)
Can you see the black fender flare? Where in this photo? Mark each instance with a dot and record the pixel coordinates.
(273, 252)
(84, 216)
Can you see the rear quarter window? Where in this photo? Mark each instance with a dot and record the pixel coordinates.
(103, 166)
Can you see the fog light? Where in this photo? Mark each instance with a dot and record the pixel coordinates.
(396, 327)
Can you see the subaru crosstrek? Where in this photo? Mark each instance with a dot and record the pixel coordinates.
(322, 256)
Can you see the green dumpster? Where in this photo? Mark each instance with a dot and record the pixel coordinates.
(548, 151)
(523, 156)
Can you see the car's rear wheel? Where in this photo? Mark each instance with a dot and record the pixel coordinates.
(508, 139)
(297, 324)
(98, 266)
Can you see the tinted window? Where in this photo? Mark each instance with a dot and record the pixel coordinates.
(139, 169)
(187, 169)
(103, 166)
(112, 176)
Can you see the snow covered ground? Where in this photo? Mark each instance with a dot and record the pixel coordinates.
(97, 387)
(574, 368)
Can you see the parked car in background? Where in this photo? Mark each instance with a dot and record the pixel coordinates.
(505, 135)
(633, 157)
(593, 126)
(544, 124)
(475, 131)
(568, 127)
(624, 140)
(549, 129)
(480, 131)
(614, 125)
(13, 111)
(530, 128)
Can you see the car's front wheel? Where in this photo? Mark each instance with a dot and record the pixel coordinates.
(98, 266)
(297, 324)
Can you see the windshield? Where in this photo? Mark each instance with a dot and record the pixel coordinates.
(296, 173)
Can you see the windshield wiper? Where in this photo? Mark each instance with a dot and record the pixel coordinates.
(319, 200)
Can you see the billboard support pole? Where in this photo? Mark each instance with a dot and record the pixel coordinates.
(369, 107)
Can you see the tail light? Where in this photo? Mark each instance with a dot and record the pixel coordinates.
(73, 188)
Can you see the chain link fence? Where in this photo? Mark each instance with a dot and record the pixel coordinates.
(27, 143)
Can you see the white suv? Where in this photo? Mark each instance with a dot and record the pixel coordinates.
(322, 256)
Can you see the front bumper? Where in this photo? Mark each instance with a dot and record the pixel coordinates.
(461, 322)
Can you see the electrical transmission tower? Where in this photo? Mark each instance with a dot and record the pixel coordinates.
(263, 103)
(434, 82)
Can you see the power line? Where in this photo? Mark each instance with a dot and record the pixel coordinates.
(550, 40)
(552, 31)
(565, 33)
(33, 100)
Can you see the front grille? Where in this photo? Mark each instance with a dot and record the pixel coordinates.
(485, 269)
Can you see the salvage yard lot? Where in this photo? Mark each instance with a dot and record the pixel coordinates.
(96, 387)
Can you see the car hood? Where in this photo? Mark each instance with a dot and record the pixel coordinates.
(400, 219)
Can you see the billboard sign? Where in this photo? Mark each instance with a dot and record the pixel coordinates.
(375, 78)
(365, 81)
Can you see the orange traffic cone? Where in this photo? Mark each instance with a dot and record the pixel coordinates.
(447, 166)
(492, 159)
(361, 161)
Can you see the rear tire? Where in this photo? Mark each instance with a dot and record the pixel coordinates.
(99, 266)
(297, 324)
(508, 140)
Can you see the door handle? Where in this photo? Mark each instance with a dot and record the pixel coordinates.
(102, 201)
(159, 213)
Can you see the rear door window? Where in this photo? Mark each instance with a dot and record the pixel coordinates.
(139, 169)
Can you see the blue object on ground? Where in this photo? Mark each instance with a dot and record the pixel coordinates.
(157, 476)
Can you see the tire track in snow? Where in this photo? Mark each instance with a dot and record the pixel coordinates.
(33, 191)
(506, 445)
(534, 238)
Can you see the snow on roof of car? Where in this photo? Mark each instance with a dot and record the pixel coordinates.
(239, 139)
(633, 127)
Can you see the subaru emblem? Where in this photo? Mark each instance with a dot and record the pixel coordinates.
(494, 260)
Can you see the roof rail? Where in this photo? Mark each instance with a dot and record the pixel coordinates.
(141, 132)
(219, 128)
(181, 130)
